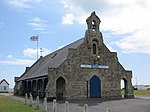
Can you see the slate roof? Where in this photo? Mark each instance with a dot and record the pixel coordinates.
(4, 80)
(53, 60)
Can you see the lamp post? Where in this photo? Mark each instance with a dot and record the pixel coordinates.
(136, 83)
(96, 58)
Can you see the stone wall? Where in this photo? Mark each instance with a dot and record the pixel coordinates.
(77, 78)
(91, 52)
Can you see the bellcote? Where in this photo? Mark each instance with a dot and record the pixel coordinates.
(93, 22)
(93, 35)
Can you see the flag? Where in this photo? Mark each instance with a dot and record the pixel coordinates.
(34, 38)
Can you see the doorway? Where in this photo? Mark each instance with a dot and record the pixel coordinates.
(95, 87)
(60, 88)
(123, 88)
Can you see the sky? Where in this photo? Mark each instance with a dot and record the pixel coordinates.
(125, 25)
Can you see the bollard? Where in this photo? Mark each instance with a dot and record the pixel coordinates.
(54, 106)
(85, 108)
(26, 99)
(108, 110)
(31, 99)
(37, 102)
(66, 106)
(45, 104)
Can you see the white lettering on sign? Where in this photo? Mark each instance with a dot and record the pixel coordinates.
(94, 66)
(85, 66)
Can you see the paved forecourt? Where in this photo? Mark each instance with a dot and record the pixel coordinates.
(138, 104)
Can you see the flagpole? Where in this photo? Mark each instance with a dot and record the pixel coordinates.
(37, 46)
(36, 38)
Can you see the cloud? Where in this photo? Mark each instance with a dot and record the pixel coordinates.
(136, 43)
(9, 56)
(111, 48)
(130, 18)
(30, 52)
(45, 51)
(82, 8)
(23, 3)
(115, 15)
(65, 3)
(68, 19)
(37, 24)
(17, 62)
(19, 3)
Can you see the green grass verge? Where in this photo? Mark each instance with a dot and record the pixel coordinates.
(10, 105)
(139, 92)
(142, 92)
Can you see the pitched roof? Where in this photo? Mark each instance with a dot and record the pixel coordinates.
(4, 80)
(53, 60)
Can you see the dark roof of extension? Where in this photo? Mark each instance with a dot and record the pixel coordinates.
(53, 60)
(4, 80)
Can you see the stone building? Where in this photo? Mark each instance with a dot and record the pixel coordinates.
(85, 68)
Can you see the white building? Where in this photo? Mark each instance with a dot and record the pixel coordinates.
(4, 86)
(142, 87)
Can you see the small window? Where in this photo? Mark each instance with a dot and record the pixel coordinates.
(93, 25)
(94, 48)
(54, 55)
(5, 87)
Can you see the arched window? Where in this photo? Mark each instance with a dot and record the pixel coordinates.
(94, 48)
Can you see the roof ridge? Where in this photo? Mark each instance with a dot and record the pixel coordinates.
(54, 59)
(4, 80)
(64, 47)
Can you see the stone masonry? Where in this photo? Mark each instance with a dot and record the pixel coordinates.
(85, 68)
(77, 79)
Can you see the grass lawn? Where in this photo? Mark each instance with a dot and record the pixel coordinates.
(139, 92)
(10, 105)
(142, 92)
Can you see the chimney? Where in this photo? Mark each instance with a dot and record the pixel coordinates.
(27, 68)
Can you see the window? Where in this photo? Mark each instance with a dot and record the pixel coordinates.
(94, 48)
(93, 25)
(5, 87)
(54, 55)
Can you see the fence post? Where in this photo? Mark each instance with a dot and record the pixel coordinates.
(54, 106)
(66, 106)
(85, 108)
(31, 99)
(37, 102)
(45, 104)
(26, 99)
(108, 110)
